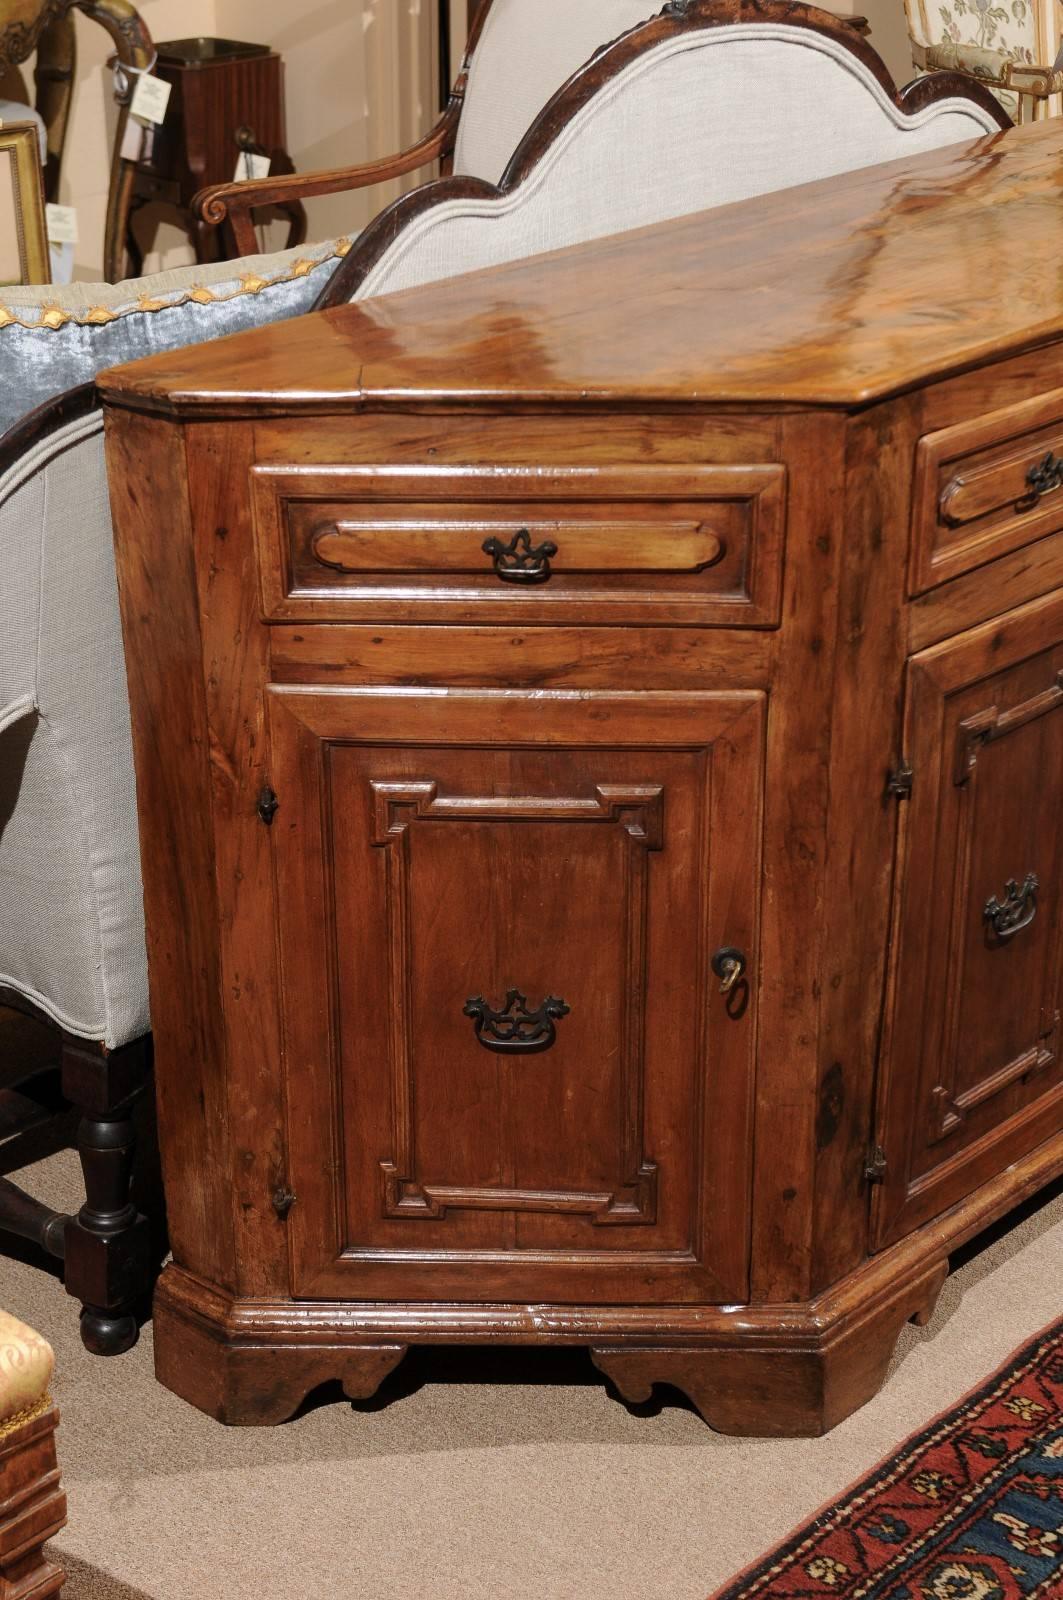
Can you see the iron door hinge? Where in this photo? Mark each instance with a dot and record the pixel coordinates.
(900, 781)
(877, 1165)
(268, 805)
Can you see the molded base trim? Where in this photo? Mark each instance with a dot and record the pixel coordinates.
(772, 1372)
(768, 1371)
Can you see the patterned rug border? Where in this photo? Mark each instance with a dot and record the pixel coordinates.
(891, 1467)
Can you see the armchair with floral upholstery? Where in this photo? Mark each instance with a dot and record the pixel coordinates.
(1012, 46)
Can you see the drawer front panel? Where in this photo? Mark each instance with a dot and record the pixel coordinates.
(511, 1072)
(701, 545)
(974, 1068)
(985, 488)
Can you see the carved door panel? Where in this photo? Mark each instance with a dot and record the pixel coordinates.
(510, 1069)
(973, 1074)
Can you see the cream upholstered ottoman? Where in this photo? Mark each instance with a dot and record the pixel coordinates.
(32, 1503)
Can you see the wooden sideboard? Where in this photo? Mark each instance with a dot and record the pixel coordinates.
(599, 730)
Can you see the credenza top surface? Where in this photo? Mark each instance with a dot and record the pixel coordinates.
(838, 293)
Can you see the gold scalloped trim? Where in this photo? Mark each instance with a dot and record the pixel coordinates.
(30, 1414)
(53, 318)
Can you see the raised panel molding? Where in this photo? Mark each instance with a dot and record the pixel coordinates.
(669, 543)
(972, 1060)
(948, 1108)
(976, 732)
(639, 811)
(374, 788)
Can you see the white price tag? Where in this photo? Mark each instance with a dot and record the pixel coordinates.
(250, 167)
(62, 222)
(135, 140)
(150, 98)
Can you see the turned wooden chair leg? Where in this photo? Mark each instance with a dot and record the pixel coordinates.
(108, 1248)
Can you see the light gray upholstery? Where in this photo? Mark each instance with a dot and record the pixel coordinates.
(751, 107)
(71, 921)
(71, 917)
(526, 52)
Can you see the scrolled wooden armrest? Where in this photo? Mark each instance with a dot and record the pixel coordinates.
(1041, 82)
(991, 67)
(235, 201)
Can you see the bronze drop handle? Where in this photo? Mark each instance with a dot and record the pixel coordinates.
(1016, 911)
(729, 964)
(1044, 478)
(519, 562)
(515, 1029)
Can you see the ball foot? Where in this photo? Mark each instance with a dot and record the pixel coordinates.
(103, 1333)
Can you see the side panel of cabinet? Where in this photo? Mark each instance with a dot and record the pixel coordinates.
(973, 1073)
(510, 1070)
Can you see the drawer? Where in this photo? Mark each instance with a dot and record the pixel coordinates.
(986, 487)
(663, 543)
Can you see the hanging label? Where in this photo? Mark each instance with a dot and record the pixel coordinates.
(135, 141)
(150, 98)
(62, 224)
(250, 168)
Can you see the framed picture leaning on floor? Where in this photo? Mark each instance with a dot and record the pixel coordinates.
(23, 236)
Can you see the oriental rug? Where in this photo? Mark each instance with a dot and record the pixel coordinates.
(971, 1508)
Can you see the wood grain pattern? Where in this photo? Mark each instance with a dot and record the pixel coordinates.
(246, 1362)
(172, 744)
(974, 499)
(977, 1015)
(474, 1150)
(32, 1509)
(404, 799)
(898, 236)
(619, 543)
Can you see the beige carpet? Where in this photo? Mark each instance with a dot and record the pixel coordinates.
(488, 1477)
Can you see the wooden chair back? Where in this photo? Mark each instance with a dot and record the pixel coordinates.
(717, 102)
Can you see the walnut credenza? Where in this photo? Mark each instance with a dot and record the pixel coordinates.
(599, 759)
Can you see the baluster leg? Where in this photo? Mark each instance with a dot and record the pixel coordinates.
(108, 1251)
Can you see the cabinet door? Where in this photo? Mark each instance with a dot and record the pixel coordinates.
(973, 1077)
(511, 1072)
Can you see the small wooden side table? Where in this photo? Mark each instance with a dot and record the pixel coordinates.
(226, 97)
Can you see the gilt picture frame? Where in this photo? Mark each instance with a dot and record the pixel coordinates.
(24, 254)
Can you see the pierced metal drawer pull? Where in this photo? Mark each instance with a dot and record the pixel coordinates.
(517, 562)
(515, 1029)
(1016, 911)
(1044, 478)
